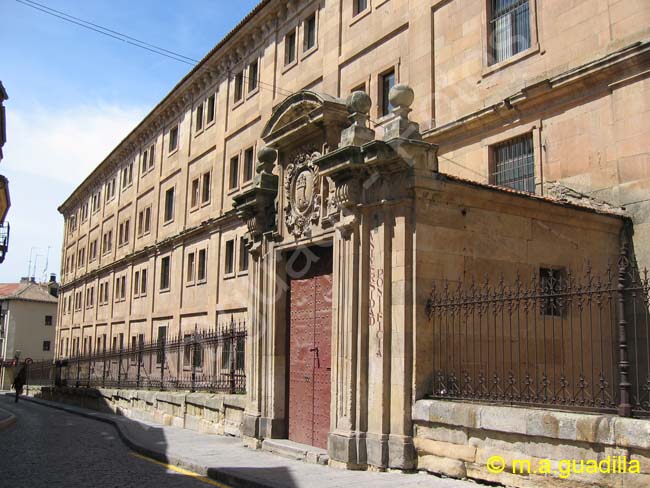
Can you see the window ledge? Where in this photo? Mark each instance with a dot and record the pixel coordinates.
(253, 92)
(232, 191)
(205, 204)
(493, 68)
(287, 67)
(360, 15)
(198, 132)
(171, 153)
(309, 52)
(209, 124)
(238, 103)
(229, 276)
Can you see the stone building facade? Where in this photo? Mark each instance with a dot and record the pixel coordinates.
(255, 190)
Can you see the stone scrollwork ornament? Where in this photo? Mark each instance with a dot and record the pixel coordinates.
(302, 187)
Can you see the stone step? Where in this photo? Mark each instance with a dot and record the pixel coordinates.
(295, 450)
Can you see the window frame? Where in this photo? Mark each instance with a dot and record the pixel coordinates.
(251, 91)
(238, 88)
(233, 174)
(306, 49)
(164, 284)
(199, 118)
(509, 138)
(167, 219)
(489, 65)
(211, 106)
(288, 63)
(173, 135)
(243, 256)
(248, 170)
(384, 108)
(229, 259)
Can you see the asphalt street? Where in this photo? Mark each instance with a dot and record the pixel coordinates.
(50, 448)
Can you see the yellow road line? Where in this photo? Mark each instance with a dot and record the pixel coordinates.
(182, 471)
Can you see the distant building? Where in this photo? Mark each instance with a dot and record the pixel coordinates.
(27, 323)
(4, 183)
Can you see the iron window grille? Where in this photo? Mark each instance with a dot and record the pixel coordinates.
(514, 164)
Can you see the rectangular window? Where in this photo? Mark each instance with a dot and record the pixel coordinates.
(201, 266)
(229, 266)
(147, 220)
(239, 86)
(509, 27)
(252, 76)
(290, 48)
(164, 273)
(144, 166)
(143, 282)
(205, 191)
(387, 82)
(194, 193)
(48, 320)
(152, 154)
(136, 284)
(234, 172)
(359, 6)
(243, 254)
(199, 117)
(190, 268)
(514, 164)
(211, 108)
(127, 176)
(93, 250)
(169, 205)
(309, 40)
(84, 212)
(249, 161)
(123, 287)
(46, 345)
(173, 139)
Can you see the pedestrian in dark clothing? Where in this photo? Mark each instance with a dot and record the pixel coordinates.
(19, 381)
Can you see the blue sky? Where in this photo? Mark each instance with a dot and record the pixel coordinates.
(74, 94)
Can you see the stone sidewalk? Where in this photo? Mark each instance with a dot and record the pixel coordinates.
(225, 459)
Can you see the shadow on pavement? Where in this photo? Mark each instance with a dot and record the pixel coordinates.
(152, 442)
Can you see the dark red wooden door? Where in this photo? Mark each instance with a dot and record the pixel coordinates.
(310, 333)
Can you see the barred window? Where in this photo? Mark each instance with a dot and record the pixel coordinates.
(514, 164)
(510, 28)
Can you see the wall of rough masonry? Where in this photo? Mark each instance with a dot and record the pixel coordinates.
(458, 439)
(203, 412)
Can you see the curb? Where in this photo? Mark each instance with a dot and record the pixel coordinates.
(212, 473)
(6, 422)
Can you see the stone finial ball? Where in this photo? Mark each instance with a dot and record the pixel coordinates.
(401, 96)
(359, 102)
(266, 155)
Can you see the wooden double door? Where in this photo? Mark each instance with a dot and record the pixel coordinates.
(309, 346)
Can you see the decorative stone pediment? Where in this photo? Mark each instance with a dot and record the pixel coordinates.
(301, 115)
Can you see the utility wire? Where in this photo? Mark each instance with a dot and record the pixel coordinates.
(109, 32)
(137, 42)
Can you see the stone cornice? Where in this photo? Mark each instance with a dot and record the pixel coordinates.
(239, 43)
(599, 74)
(153, 250)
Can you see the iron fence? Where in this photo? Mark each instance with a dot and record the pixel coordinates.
(203, 360)
(557, 339)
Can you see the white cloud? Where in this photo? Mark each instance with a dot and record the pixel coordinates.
(48, 153)
(66, 145)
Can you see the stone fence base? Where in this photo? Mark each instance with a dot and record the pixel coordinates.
(528, 447)
(203, 412)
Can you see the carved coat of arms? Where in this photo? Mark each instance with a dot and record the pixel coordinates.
(302, 187)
